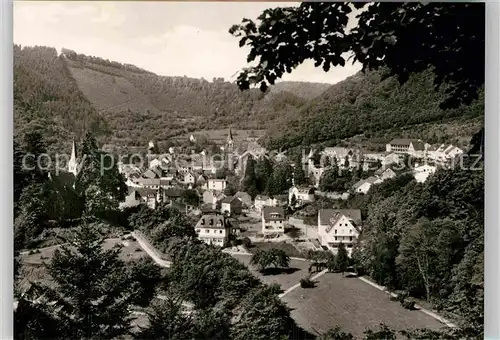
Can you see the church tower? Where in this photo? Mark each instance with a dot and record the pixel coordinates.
(230, 142)
(73, 164)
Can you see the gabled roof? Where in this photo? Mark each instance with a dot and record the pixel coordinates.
(229, 199)
(273, 213)
(149, 174)
(331, 216)
(145, 192)
(371, 179)
(217, 179)
(304, 189)
(417, 145)
(359, 183)
(261, 198)
(149, 181)
(381, 171)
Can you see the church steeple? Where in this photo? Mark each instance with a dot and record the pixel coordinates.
(73, 164)
(230, 141)
(230, 137)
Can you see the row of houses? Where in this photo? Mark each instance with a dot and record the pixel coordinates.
(381, 175)
(443, 153)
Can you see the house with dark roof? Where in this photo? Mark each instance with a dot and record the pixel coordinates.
(273, 220)
(245, 198)
(214, 229)
(413, 147)
(337, 226)
(231, 205)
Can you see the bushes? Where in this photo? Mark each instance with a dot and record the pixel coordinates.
(245, 241)
(402, 298)
(306, 283)
(408, 304)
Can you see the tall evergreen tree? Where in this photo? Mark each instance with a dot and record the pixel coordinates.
(98, 181)
(249, 183)
(93, 294)
(342, 258)
(263, 173)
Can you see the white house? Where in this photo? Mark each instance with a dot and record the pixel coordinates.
(231, 205)
(302, 194)
(340, 153)
(384, 174)
(189, 178)
(214, 229)
(215, 184)
(337, 226)
(412, 147)
(422, 172)
(211, 198)
(261, 201)
(444, 153)
(390, 158)
(273, 220)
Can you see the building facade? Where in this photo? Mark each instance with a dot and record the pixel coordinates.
(214, 229)
(337, 226)
(273, 220)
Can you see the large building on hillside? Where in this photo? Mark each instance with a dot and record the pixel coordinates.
(337, 226)
(412, 147)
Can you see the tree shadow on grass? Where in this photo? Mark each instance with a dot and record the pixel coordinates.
(278, 271)
(298, 333)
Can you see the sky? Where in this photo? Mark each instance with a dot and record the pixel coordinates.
(168, 38)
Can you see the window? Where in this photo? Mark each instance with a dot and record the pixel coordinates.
(220, 231)
(198, 231)
(335, 231)
(350, 238)
(207, 231)
(350, 231)
(335, 238)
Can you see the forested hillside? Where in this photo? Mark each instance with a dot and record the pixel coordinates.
(141, 105)
(127, 106)
(369, 105)
(47, 99)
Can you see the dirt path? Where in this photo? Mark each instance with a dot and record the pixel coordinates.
(152, 252)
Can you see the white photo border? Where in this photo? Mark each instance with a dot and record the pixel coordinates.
(492, 171)
(6, 172)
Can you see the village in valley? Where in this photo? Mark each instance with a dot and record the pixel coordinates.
(165, 178)
(344, 203)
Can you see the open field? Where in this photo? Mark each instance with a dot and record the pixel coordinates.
(353, 305)
(336, 300)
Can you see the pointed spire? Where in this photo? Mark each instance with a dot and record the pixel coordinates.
(72, 164)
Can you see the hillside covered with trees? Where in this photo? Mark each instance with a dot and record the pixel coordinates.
(368, 105)
(126, 106)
